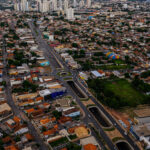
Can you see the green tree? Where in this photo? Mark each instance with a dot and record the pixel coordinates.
(127, 75)
(73, 146)
(75, 45)
(57, 114)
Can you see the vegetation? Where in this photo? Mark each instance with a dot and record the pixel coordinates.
(1, 145)
(26, 87)
(10, 45)
(118, 61)
(23, 44)
(43, 129)
(145, 74)
(109, 129)
(78, 54)
(57, 114)
(117, 93)
(59, 142)
(61, 32)
(98, 54)
(87, 65)
(19, 59)
(73, 146)
(72, 136)
(75, 45)
(113, 67)
(3, 24)
(140, 85)
(73, 103)
(117, 139)
(17, 139)
(3, 83)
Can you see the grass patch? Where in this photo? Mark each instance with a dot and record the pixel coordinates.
(117, 93)
(90, 105)
(72, 137)
(118, 61)
(124, 90)
(59, 142)
(73, 103)
(113, 67)
(109, 129)
(67, 79)
(117, 139)
(84, 99)
(64, 74)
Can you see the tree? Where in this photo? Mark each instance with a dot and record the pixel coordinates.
(17, 139)
(73, 146)
(57, 114)
(33, 54)
(145, 74)
(2, 24)
(3, 83)
(75, 45)
(99, 54)
(1, 145)
(87, 65)
(23, 44)
(29, 86)
(127, 75)
(82, 53)
(10, 45)
(15, 37)
(43, 129)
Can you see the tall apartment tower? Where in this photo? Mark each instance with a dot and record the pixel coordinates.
(74, 3)
(17, 6)
(88, 3)
(44, 5)
(81, 3)
(70, 14)
(54, 5)
(65, 5)
(60, 5)
(24, 5)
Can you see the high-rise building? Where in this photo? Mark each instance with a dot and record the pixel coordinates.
(81, 3)
(17, 6)
(44, 5)
(60, 5)
(54, 5)
(74, 3)
(24, 5)
(88, 3)
(70, 14)
(65, 5)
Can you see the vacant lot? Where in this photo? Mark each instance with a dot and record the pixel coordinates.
(124, 90)
(117, 93)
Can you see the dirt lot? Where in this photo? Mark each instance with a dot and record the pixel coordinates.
(142, 111)
(88, 102)
(113, 134)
